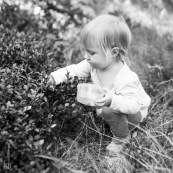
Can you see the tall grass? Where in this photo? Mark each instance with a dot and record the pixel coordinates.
(149, 150)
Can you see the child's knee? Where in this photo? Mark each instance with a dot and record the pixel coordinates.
(107, 113)
(118, 122)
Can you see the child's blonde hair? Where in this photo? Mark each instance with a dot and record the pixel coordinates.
(107, 32)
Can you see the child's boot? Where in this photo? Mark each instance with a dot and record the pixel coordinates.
(116, 146)
(116, 161)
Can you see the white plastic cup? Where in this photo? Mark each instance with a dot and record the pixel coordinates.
(88, 94)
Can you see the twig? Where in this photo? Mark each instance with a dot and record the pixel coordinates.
(60, 10)
(164, 82)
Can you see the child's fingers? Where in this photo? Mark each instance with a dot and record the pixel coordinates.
(101, 101)
(50, 81)
(98, 106)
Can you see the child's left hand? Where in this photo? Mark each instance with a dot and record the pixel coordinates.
(106, 100)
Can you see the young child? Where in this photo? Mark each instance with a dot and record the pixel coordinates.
(105, 40)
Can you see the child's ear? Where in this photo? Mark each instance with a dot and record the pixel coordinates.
(115, 51)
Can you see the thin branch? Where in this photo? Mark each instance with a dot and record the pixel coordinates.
(60, 10)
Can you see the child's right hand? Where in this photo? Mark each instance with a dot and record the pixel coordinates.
(50, 81)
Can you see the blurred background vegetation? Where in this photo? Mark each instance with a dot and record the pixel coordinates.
(37, 37)
(150, 23)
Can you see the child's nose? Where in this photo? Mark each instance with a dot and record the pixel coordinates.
(86, 56)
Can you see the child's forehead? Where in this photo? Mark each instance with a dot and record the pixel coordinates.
(93, 40)
(92, 43)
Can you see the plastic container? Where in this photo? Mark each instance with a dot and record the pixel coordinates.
(88, 93)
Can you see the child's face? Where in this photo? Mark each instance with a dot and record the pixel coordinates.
(96, 57)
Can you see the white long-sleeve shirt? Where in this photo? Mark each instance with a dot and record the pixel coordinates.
(129, 97)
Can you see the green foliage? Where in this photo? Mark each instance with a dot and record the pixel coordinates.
(31, 114)
(33, 117)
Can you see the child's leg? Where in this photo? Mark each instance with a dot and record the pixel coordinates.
(119, 124)
(117, 121)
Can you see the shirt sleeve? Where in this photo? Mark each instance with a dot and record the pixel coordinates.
(128, 99)
(81, 70)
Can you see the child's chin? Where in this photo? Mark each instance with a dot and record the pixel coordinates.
(96, 66)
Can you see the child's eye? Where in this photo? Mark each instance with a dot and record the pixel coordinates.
(91, 53)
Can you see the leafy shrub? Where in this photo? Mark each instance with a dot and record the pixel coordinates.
(33, 117)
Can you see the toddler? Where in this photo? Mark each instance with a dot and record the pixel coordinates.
(105, 41)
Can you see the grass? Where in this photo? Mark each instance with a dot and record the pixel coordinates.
(150, 149)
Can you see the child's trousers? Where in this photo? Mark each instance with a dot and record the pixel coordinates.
(120, 123)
